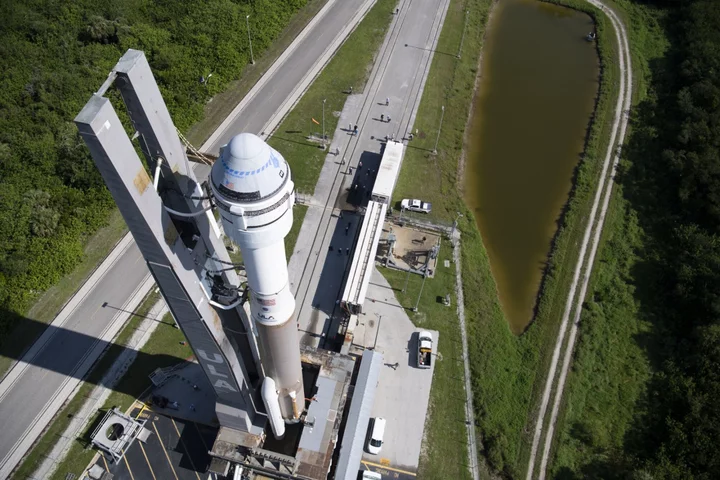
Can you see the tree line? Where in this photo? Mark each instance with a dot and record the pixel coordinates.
(56, 54)
(671, 177)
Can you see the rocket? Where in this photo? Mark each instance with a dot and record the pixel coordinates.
(254, 192)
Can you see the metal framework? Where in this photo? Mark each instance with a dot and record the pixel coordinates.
(177, 235)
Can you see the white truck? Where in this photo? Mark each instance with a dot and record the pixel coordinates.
(415, 205)
(424, 350)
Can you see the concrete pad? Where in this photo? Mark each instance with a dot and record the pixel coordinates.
(403, 391)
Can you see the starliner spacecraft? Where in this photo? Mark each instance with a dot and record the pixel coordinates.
(246, 358)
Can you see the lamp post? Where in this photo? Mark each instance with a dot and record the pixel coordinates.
(324, 99)
(442, 114)
(454, 227)
(420, 292)
(247, 22)
(462, 39)
(407, 279)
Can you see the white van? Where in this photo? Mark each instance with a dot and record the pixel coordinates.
(376, 438)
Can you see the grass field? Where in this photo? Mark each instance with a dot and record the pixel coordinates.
(607, 381)
(350, 67)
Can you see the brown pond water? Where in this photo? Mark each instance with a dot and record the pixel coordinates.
(532, 109)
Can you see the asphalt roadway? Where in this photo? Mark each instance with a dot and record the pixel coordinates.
(36, 387)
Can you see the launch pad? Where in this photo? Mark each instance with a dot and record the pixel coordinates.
(307, 449)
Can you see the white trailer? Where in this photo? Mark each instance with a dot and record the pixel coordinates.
(388, 172)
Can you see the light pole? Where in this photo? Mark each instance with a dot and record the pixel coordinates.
(247, 22)
(454, 227)
(420, 292)
(442, 114)
(462, 39)
(407, 279)
(324, 99)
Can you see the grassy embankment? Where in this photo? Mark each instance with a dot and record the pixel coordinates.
(445, 449)
(100, 244)
(450, 83)
(350, 67)
(508, 370)
(606, 384)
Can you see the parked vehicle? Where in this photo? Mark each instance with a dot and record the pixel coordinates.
(415, 205)
(368, 475)
(376, 437)
(424, 352)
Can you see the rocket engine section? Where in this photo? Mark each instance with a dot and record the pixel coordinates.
(255, 194)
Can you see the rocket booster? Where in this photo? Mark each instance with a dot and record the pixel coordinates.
(254, 191)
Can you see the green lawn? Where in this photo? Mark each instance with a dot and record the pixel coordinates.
(350, 67)
(607, 382)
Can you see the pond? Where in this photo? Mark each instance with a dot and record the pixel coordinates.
(539, 80)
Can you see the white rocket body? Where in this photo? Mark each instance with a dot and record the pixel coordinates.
(253, 189)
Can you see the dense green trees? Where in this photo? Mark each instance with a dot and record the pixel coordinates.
(55, 54)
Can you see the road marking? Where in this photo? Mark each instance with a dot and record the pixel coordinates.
(166, 453)
(385, 462)
(185, 448)
(107, 468)
(142, 409)
(146, 459)
(201, 437)
(389, 468)
(129, 470)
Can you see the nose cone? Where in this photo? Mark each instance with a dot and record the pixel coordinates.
(249, 169)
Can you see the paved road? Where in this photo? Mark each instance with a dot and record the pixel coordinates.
(36, 387)
(399, 75)
(316, 272)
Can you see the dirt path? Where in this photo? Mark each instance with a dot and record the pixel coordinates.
(584, 266)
